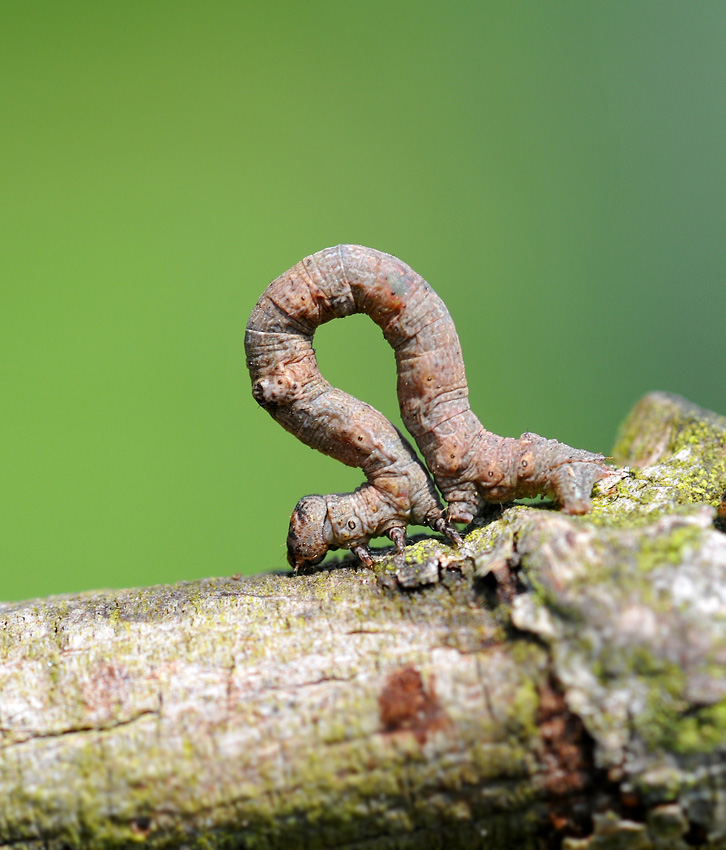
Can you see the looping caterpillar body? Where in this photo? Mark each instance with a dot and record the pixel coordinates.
(470, 465)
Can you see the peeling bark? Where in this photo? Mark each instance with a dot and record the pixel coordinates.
(557, 681)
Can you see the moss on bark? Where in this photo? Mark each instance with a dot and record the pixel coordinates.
(555, 679)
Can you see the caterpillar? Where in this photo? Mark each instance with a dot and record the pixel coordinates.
(470, 465)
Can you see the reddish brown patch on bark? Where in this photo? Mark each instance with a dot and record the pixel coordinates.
(565, 753)
(406, 705)
(565, 748)
(506, 579)
(721, 513)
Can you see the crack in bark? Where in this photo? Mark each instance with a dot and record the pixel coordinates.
(79, 730)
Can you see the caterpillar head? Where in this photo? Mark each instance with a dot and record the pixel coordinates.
(310, 534)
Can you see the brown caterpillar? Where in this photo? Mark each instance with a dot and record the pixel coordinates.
(470, 465)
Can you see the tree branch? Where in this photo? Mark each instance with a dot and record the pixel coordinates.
(556, 681)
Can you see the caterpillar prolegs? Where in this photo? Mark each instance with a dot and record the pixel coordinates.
(470, 465)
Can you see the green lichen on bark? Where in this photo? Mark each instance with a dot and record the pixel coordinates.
(677, 449)
(512, 692)
(189, 714)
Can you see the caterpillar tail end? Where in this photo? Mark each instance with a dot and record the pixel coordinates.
(572, 484)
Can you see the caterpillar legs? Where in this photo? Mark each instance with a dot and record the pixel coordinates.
(398, 536)
(321, 523)
(448, 530)
(363, 554)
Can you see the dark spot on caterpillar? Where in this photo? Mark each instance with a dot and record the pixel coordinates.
(471, 465)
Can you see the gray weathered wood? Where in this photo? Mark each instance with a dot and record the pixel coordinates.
(555, 678)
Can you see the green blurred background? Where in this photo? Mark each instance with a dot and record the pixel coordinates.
(557, 171)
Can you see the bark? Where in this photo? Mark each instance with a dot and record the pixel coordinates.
(556, 682)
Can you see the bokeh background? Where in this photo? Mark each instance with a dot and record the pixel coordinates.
(557, 171)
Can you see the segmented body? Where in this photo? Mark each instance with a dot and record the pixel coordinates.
(470, 464)
(288, 384)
